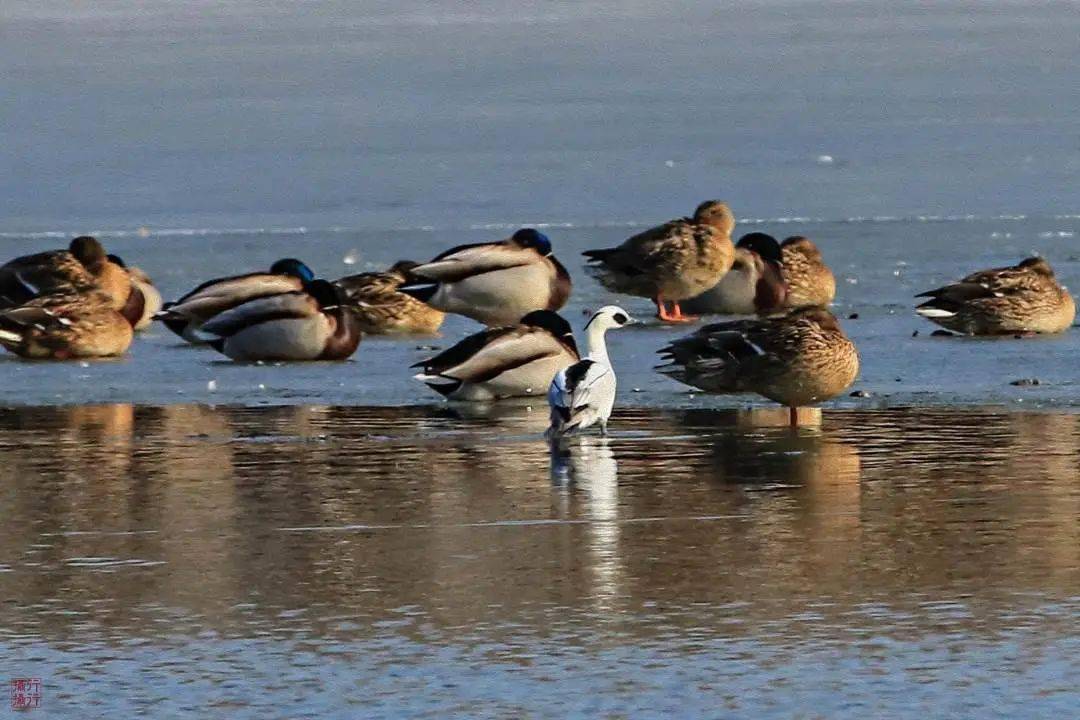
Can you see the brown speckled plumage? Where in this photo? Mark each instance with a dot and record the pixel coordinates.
(675, 261)
(797, 359)
(59, 327)
(1024, 298)
(810, 281)
(380, 309)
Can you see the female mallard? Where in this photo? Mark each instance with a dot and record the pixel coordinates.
(494, 283)
(60, 327)
(795, 359)
(672, 262)
(1025, 298)
(382, 310)
(753, 286)
(185, 316)
(501, 362)
(308, 324)
(83, 268)
(809, 280)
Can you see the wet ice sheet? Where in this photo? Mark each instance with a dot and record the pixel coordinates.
(880, 264)
(318, 561)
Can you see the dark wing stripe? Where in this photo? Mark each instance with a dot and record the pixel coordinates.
(576, 373)
(462, 351)
(495, 372)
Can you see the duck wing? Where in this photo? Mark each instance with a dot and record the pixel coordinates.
(284, 306)
(487, 354)
(216, 296)
(466, 261)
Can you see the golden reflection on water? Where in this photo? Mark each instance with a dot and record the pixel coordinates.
(472, 518)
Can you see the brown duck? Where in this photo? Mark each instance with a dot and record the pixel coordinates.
(797, 359)
(1022, 299)
(672, 262)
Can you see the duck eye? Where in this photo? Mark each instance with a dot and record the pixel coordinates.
(620, 318)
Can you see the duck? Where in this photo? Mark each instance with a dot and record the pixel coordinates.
(495, 283)
(380, 309)
(809, 280)
(185, 316)
(300, 325)
(1019, 300)
(583, 394)
(66, 326)
(511, 361)
(797, 359)
(83, 268)
(151, 297)
(753, 286)
(672, 262)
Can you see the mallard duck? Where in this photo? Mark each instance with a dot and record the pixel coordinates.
(753, 286)
(494, 283)
(672, 262)
(60, 327)
(381, 310)
(1025, 298)
(510, 361)
(809, 280)
(82, 268)
(307, 324)
(583, 394)
(797, 359)
(151, 297)
(185, 316)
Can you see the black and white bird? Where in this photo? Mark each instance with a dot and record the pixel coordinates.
(583, 394)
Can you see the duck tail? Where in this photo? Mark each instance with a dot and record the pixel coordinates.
(442, 384)
(422, 291)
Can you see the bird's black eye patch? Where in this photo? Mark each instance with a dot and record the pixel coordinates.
(620, 318)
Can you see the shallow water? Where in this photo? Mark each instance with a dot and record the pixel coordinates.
(316, 561)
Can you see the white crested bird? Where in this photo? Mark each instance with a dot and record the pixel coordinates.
(584, 393)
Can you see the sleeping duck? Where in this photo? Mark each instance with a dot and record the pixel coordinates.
(151, 297)
(670, 263)
(381, 310)
(809, 280)
(65, 326)
(753, 286)
(185, 316)
(306, 324)
(494, 283)
(515, 360)
(797, 359)
(1025, 298)
(83, 268)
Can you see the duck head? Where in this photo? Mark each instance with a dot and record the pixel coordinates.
(1037, 265)
(716, 214)
(803, 245)
(532, 238)
(88, 251)
(764, 245)
(609, 317)
(293, 268)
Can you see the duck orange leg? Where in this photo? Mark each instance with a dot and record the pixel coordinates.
(674, 315)
(679, 317)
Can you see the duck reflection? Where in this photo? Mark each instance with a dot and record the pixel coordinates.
(585, 469)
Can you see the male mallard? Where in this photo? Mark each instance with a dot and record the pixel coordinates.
(82, 268)
(494, 283)
(185, 316)
(795, 359)
(1025, 298)
(810, 281)
(60, 327)
(307, 324)
(381, 310)
(672, 262)
(753, 286)
(515, 360)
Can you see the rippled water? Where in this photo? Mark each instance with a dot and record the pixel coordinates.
(319, 561)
